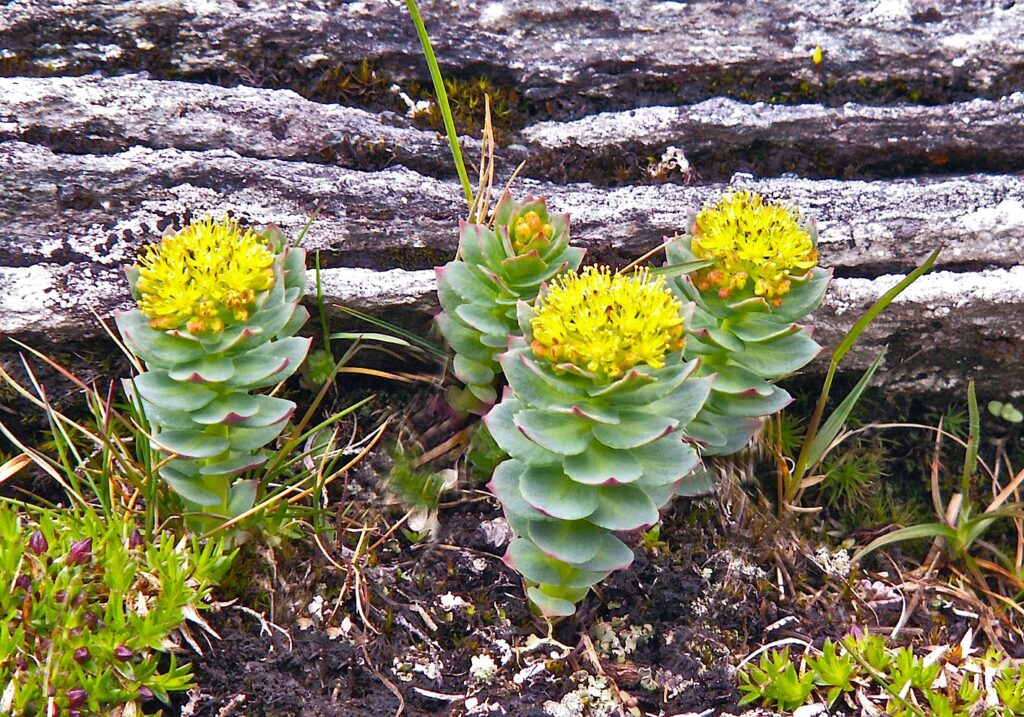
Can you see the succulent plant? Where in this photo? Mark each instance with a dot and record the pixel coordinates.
(495, 269)
(595, 420)
(218, 310)
(763, 280)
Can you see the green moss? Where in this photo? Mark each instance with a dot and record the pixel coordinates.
(467, 98)
(361, 85)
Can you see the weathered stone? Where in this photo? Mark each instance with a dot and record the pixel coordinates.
(98, 115)
(569, 59)
(65, 208)
(721, 136)
(70, 223)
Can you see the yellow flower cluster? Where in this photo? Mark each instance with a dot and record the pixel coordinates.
(607, 323)
(752, 242)
(204, 276)
(528, 229)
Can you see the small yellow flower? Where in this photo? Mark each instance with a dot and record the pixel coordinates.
(528, 230)
(607, 323)
(752, 243)
(204, 277)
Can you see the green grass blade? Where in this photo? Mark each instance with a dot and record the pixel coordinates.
(686, 267)
(971, 459)
(431, 348)
(442, 99)
(914, 532)
(370, 336)
(835, 422)
(879, 306)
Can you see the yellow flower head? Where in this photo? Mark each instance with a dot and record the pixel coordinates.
(607, 323)
(204, 276)
(528, 229)
(752, 242)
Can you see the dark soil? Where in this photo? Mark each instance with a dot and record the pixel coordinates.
(376, 620)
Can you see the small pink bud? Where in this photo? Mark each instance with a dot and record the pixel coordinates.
(23, 581)
(123, 653)
(82, 655)
(145, 694)
(135, 539)
(81, 552)
(37, 543)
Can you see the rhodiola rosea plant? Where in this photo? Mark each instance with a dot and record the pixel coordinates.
(761, 281)
(218, 307)
(595, 422)
(496, 267)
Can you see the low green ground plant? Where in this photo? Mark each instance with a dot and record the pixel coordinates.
(89, 607)
(864, 673)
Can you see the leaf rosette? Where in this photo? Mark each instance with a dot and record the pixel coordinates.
(591, 454)
(762, 280)
(196, 391)
(497, 267)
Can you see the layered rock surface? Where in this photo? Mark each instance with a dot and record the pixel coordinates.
(630, 115)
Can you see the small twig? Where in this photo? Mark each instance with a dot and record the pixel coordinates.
(266, 624)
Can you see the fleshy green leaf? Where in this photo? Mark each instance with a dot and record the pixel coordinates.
(599, 464)
(511, 440)
(209, 369)
(755, 328)
(699, 482)
(572, 541)
(251, 439)
(549, 490)
(483, 319)
(736, 379)
(667, 459)
(191, 488)
(530, 383)
(470, 371)
(243, 496)
(550, 606)
(753, 405)
(233, 464)
(612, 554)
(624, 507)
(270, 411)
(659, 384)
(157, 387)
(191, 444)
(153, 346)
(565, 435)
(466, 284)
(779, 357)
(684, 403)
(505, 486)
(634, 429)
(532, 563)
(735, 432)
(229, 409)
(463, 340)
